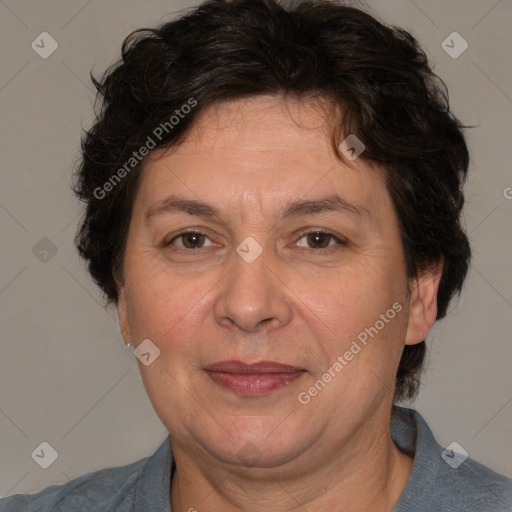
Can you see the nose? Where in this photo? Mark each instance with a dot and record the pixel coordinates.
(252, 297)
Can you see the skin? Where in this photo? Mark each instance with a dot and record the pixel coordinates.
(301, 303)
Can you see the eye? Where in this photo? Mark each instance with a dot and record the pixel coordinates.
(319, 240)
(191, 240)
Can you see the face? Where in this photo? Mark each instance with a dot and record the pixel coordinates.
(252, 242)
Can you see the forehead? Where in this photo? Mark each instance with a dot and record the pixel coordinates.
(266, 121)
(265, 150)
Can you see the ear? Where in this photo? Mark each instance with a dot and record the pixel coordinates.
(124, 325)
(423, 304)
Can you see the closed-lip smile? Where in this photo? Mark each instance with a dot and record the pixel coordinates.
(255, 379)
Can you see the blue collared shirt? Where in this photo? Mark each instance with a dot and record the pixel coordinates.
(144, 486)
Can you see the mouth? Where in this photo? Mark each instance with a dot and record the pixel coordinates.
(255, 379)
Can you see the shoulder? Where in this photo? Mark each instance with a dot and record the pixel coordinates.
(114, 488)
(93, 491)
(470, 486)
(445, 479)
(482, 488)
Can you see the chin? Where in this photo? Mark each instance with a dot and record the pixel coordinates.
(254, 442)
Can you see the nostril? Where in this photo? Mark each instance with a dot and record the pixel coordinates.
(267, 321)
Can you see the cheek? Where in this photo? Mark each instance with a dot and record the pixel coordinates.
(163, 306)
(170, 312)
(346, 300)
(360, 347)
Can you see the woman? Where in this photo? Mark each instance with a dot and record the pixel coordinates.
(273, 202)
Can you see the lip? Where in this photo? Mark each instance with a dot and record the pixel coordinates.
(254, 379)
(261, 367)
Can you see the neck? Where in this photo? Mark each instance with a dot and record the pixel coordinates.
(369, 473)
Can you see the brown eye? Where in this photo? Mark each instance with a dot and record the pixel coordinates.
(190, 240)
(315, 240)
(318, 240)
(193, 240)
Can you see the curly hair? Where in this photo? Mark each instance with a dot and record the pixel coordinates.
(376, 74)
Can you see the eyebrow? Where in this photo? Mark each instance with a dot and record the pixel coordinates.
(333, 203)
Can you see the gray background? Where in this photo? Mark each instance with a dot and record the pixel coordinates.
(65, 376)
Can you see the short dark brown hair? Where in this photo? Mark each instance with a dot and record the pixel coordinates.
(223, 50)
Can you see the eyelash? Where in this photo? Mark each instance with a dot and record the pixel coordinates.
(327, 250)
